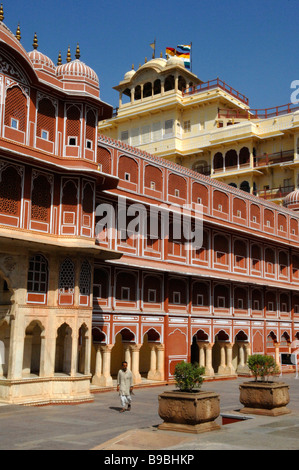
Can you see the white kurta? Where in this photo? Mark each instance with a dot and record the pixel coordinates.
(125, 381)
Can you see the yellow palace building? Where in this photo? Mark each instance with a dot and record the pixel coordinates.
(166, 110)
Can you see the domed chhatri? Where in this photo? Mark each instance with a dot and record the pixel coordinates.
(129, 74)
(76, 69)
(40, 60)
(291, 201)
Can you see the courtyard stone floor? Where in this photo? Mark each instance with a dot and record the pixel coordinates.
(100, 426)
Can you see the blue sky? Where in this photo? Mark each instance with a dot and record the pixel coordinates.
(252, 45)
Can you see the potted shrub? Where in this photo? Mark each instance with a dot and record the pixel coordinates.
(263, 396)
(188, 409)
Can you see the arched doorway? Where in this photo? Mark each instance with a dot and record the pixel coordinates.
(98, 339)
(219, 352)
(245, 186)
(199, 340)
(5, 304)
(240, 353)
(231, 158)
(149, 355)
(121, 350)
(83, 350)
(32, 349)
(63, 354)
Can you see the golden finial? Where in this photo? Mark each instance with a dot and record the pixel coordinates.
(59, 61)
(35, 43)
(68, 57)
(78, 52)
(18, 33)
(1, 12)
(145, 61)
(132, 66)
(161, 55)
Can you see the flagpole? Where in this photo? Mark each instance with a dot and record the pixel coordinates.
(191, 54)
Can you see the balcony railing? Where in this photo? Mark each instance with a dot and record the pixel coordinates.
(217, 83)
(257, 113)
(274, 158)
(203, 170)
(275, 193)
(236, 167)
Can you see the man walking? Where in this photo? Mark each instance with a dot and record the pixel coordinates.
(125, 386)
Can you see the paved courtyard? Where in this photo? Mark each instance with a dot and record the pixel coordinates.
(99, 425)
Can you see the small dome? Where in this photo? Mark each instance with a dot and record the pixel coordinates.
(77, 69)
(159, 63)
(40, 60)
(175, 61)
(291, 201)
(129, 74)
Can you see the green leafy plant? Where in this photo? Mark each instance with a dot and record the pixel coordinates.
(188, 376)
(262, 366)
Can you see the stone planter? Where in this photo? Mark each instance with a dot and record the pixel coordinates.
(264, 398)
(189, 412)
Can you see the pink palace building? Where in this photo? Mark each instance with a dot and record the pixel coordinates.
(74, 300)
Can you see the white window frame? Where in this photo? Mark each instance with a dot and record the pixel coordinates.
(125, 293)
(88, 141)
(152, 292)
(44, 134)
(176, 297)
(199, 300)
(69, 141)
(14, 121)
(220, 299)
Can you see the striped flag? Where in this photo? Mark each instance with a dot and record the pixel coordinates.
(170, 51)
(184, 47)
(185, 54)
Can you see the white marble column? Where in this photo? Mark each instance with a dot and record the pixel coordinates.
(98, 366)
(160, 362)
(230, 370)
(128, 355)
(201, 348)
(277, 355)
(222, 367)
(153, 363)
(106, 379)
(135, 349)
(209, 371)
